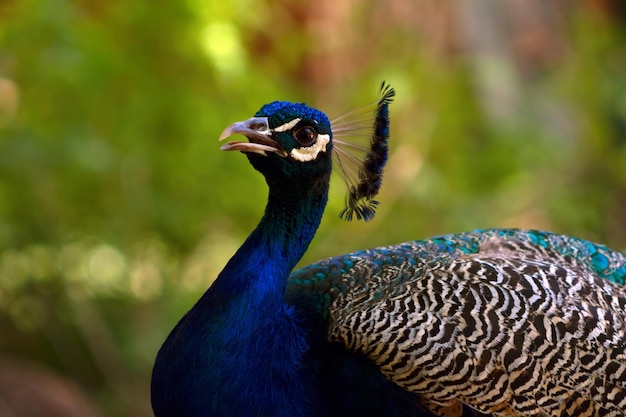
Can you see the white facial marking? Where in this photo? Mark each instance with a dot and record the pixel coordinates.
(310, 153)
(287, 126)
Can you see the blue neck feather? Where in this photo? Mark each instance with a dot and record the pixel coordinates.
(260, 268)
(221, 357)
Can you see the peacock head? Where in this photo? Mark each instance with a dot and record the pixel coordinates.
(284, 140)
(288, 141)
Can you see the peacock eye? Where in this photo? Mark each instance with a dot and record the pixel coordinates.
(306, 136)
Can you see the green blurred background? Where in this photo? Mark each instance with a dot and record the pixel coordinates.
(117, 208)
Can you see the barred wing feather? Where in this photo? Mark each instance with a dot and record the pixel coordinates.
(509, 322)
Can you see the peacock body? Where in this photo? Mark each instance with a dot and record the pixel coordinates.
(509, 322)
(493, 322)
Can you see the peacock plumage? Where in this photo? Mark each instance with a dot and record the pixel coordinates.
(509, 322)
(485, 323)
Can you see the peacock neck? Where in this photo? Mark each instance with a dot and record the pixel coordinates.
(259, 269)
(240, 334)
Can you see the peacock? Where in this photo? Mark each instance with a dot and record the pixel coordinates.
(499, 322)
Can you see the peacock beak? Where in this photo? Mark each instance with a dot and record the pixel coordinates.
(257, 130)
